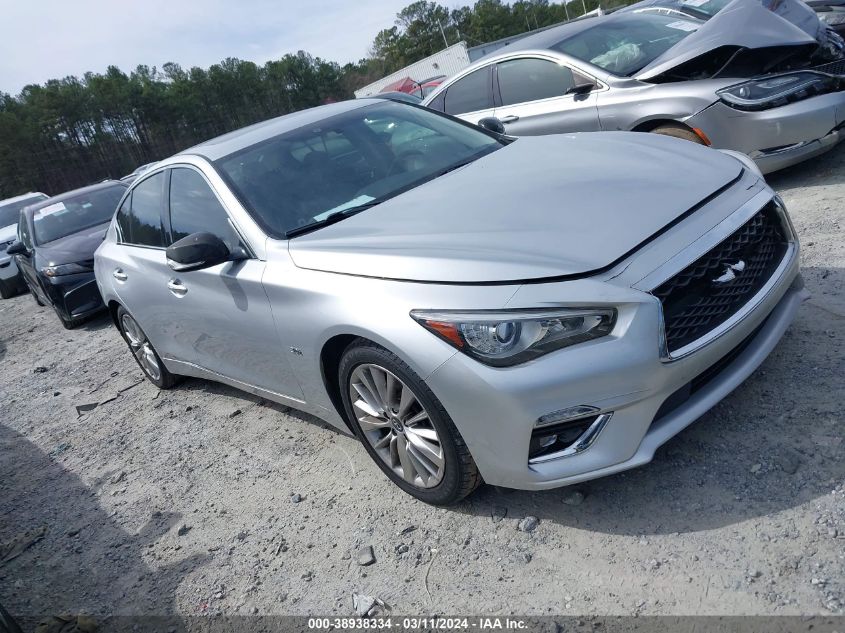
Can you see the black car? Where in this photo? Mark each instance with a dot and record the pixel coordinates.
(55, 248)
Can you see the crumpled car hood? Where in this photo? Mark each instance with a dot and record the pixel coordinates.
(730, 28)
(541, 207)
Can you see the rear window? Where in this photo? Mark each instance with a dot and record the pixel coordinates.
(626, 43)
(75, 214)
(10, 211)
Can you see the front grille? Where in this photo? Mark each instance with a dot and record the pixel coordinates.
(832, 68)
(714, 287)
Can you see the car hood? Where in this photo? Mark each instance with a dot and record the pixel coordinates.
(8, 233)
(729, 28)
(74, 248)
(543, 206)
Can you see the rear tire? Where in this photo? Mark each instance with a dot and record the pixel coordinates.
(678, 131)
(143, 351)
(411, 438)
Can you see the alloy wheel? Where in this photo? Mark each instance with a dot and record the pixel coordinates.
(141, 347)
(396, 425)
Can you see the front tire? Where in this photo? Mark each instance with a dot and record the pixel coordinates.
(144, 352)
(404, 427)
(5, 291)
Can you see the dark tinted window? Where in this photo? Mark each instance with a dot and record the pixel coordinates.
(124, 219)
(75, 213)
(522, 80)
(145, 217)
(9, 211)
(194, 208)
(470, 93)
(23, 233)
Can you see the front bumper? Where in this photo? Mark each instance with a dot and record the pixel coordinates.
(623, 375)
(778, 137)
(73, 296)
(9, 274)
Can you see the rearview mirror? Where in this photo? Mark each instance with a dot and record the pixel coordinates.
(16, 248)
(492, 124)
(197, 251)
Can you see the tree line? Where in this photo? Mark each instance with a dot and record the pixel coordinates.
(75, 131)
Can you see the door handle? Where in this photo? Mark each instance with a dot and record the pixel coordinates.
(511, 118)
(175, 286)
(119, 274)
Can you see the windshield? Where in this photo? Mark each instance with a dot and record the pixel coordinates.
(707, 8)
(361, 157)
(75, 214)
(10, 211)
(626, 43)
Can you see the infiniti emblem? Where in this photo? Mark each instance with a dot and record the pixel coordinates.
(730, 273)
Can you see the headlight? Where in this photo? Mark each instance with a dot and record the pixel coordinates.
(832, 17)
(65, 269)
(509, 337)
(771, 92)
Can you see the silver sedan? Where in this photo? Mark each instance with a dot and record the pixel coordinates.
(471, 307)
(746, 79)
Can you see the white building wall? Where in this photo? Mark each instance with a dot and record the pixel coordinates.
(447, 62)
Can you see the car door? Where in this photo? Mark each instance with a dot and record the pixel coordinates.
(470, 97)
(219, 318)
(26, 260)
(537, 95)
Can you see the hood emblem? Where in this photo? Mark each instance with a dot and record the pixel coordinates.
(730, 273)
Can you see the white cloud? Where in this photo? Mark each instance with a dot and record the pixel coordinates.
(47, 39)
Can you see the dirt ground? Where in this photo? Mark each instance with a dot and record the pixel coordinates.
(183, 502)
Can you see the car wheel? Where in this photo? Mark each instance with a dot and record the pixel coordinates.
(403, 426)
(678, 131)
(5, 291)
(145, 355)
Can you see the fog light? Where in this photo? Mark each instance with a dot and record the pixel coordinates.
(564, 439)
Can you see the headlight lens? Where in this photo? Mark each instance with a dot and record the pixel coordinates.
(771, 92)
(510, 337)
(65, 269)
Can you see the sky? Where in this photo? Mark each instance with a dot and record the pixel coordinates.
(51, 39)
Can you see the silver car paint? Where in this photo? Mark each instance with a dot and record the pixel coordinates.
(730, 27)
(494, 409)
(799, 130)
(548, 240)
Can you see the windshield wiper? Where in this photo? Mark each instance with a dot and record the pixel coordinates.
(332, 218)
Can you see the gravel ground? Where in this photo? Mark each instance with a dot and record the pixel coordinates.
(205, 500)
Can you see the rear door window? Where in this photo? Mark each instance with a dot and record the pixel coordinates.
(141, 225)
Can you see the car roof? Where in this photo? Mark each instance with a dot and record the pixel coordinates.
(548, 38)
(237, 140)
(67, 195)
(24, 196)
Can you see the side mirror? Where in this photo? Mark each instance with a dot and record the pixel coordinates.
(197, 251)
(492, 124)
(581, 89)
(16, 248)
